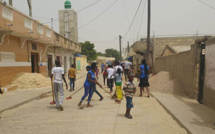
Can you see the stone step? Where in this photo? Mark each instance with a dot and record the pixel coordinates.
(8, 88)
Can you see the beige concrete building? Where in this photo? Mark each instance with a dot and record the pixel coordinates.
(102, 59)
(29, 46)
(169, 50)
(68, 22)
(81, 63)
(159, 48)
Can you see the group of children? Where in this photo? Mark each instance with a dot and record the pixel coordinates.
(114, 75)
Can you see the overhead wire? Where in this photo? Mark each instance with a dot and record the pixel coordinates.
(133, 18)
(141, 18)
(99, 14)
(207, 4)
(126, 12)
(77, 11)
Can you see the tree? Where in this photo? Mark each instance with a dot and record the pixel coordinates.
(87, 49)
(30, 7)
(112, 53)
(100, 54)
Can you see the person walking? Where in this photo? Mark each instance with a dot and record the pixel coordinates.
(97, 73)
(144, 82)
(102, 67)
(130, 90)
(58, 74)
(127, 65)
(118, 81)
(90, 80)
(94, 89)
(104, 75)
(72, 77)
(110, 73)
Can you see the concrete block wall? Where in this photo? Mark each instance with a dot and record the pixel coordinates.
(209, 88)
(160, 43)
(184, 67)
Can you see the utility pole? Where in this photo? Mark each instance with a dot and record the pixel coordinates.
(30, 7)
(52, 23)
(120, 45)
(128, 47)
(148, 31)
(11, 2)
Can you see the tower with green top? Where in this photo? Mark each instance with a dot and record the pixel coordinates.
(68, 25)
(67, 4)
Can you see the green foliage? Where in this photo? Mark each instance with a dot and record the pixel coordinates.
(112, 53)
(87, 49)
(100, 54)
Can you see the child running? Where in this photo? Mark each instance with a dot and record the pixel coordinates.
(90, 80)
(118, 81)
(130, 90)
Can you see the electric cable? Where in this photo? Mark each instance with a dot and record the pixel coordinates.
(133, 18)
(77, 11)
(142, 18)
(207, 5)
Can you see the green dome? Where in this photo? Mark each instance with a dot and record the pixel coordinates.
(67, 4)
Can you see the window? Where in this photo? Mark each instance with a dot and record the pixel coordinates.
(40, 29)
(66, 17)
(67, 35)
(7, 56)
(7, 13)
(48, 33)
(57, 37)
(34, 46)
(65, 41)
(66, 26)
(28, 23)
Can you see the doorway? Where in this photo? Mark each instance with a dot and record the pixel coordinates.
(65, 67)
(49, 64)
(201, 74)
(34, 62)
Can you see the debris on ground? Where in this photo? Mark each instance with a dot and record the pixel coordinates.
(162, 82)
(32, 80)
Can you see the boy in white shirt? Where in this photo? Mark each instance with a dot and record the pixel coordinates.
(110, 72)
(58, 73)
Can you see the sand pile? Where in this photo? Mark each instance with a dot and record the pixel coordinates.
(163, 83)
(32, 80)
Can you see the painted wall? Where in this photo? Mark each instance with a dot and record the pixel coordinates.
(21, 61)
(81, 63)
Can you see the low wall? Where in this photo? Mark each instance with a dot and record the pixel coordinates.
(184, 67)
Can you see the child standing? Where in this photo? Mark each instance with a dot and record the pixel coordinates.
(118, 78)
(130, 90)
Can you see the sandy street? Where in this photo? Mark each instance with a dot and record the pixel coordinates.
(106, 117)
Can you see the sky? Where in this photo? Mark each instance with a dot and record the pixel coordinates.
(168, 17)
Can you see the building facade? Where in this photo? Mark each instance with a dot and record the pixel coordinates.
(27, 45)
(68, 22)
